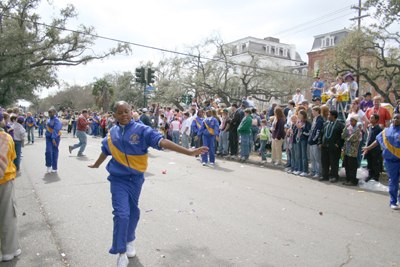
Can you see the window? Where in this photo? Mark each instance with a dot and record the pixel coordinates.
(285, 52)
(277, 51)
(323, 43)
(272, 50)
(332, 41)
(304, 71)
(265, 49)
(316, 65)
(327, 41)
(243, 47)
(296, 72)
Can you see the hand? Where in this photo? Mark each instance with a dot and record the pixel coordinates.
(336, 145)
(320, 146)
(196, 138)
(347, 125)
(93, 166)
(199, 151)
(365, 150)
(54, 143)
(217, 138)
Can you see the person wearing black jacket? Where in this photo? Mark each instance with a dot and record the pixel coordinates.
(144, 118)
(234, 121)
(330, 141)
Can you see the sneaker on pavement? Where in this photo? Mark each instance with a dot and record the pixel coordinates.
(212, 163)
(49, 169)
(316, 176)
(277, 163)
(53, 171)
(289, 171)
(263, 161)
(130, 250)
(197, 157)
(303, 174)
(394, 207)
(70, 149)
(296, 172)
(204, 164)
(123, 260)
(310, 174)
(8, 257)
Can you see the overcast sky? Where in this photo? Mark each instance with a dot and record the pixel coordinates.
(175, 23)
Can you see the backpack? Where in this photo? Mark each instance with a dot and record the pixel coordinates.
(254, 122)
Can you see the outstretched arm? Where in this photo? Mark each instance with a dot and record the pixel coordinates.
(172, 146)
(99, 161)
(368, 148)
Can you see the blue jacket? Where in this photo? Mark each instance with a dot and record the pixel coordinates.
(391, 143)
(316, 130)
(209, 127)
(30, 122)
(196, 124)
(53, 127)
(128, 148)
(304, 132)
(94, 119)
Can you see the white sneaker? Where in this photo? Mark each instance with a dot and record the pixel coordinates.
(296, 172)
(394, 207)
(212, 164)
(8, 257)
(289, 171)
(130, 250)
(197, 157)
(49, 169)
(316, 176)
(263, 161)
(303, 174)
(204, 164)
(277, 163)
(122, 261)
(53, 171)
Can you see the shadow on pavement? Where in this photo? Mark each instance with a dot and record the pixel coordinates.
(135, 262)
(83, 158)
(51, 178)
(148, 174)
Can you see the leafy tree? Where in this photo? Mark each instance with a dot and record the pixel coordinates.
(30, 53)
(103, 91)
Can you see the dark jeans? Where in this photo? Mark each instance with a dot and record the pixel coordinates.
(233, 142)
(254, 136)
(374, 163)
(302, 156)
(351, 165)
(330, 160)
(18, 147)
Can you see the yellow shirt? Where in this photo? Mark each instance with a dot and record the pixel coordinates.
(11, 171)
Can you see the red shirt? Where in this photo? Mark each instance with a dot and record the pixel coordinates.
(384, 115)
(103, 123)
(82, 123)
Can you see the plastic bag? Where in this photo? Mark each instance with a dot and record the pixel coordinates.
(373, 185)
(342, 172)
(362, 174)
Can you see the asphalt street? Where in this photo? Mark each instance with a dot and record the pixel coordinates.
(231, 214)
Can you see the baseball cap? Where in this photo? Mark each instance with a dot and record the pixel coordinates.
(145, 110)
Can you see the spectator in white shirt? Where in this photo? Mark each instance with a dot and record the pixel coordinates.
(185, 130)
(298, 97)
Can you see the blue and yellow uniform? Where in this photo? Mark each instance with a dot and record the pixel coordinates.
(53, 132)
(30, 127)
(128, 147)
(40, 123)
(95, 125)
(209, 129)
(195, 128)
(389, 139)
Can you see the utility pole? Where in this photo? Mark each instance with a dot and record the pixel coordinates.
(359, 18)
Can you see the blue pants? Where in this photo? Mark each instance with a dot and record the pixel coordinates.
(74, 125)
(82, 141)
(192, 135)
(245, 145)
(263, 144)
(223, 142)
(18, 147)
(40, 132)
(254, 136)
(30, 131)
(393, 171)
(209, 141)
(125, 192)
(293, 158)
(302, 156)
(175, 137)
(52, 152)
(95, 129)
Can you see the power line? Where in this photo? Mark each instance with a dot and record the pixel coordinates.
(314, 20)
(318, 24)
(151, 47)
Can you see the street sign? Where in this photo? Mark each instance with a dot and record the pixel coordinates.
(147, 93)
(149, 88)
